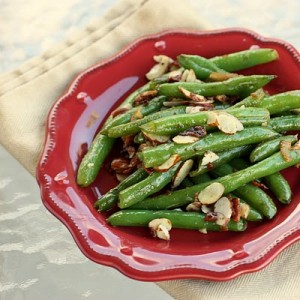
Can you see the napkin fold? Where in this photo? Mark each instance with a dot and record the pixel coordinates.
(27, 94)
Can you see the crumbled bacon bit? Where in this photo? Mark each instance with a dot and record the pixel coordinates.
(211, 217)
(121, 165)
(235, 209)
(196, 131)
(144, 97)
(127, 140)
(175, 78)
(119, 111)
(259, 184)
(124, 166)
(224, 228)
(210, 166)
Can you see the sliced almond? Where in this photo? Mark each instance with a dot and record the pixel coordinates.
(194, 206)
(193, 96)
(188, 76)
(205, 209)
(182, 172)
(137, 114)
(211, 193)
(169, 163)
(203, 230)
(160, 68)
(228, 124)
(121, 177)
(162, 58)
(212, 119)
(194, 109)
(160, 228)
(285, 148)
(159, 139)
(209, 157)
(221, 219)
(185, 139)
(223, 207)
(244, 210)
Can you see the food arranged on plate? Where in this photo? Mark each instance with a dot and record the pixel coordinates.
(202, 146)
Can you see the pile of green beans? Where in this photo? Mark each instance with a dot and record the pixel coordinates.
(161, 176)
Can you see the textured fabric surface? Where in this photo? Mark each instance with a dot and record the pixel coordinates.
(27, 94)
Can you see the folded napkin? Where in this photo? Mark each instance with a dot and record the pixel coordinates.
(27, 94)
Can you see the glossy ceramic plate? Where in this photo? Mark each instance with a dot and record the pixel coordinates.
(74, 121)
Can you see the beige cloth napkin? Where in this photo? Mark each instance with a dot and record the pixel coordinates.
(27, 94)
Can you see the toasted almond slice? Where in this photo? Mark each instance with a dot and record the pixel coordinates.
(194, 109)
(160, 228)
(160, 68)
(205, 209)
(194, 206)
(223, 206)
(188, 76)
(211, 193)
(193, 96)
(209, 157)
(221, 219)
(285, 148)
(244, 210)
(137, 114)
(169, 163)
(162, 58)
(185, 139)
(121, 177)
(160, 139)
(182, 172)
(212, 119)
(228, 124)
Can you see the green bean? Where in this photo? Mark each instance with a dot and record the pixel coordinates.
(101, 146)
(174, 124)
(186, 183)
(253, 195)
(240, 85)
(224, 157)
(287, 123)
(279, 186)
(139, 138)
(150, 185)
(280, 102)
(217, 141)
(153, 106)
(275, 182)
(267, 148)
(108, 200)
(202, 67)
(134, 127)
(231, 182)
(201, 178)
(252, 100)
(179, 219)
(254, 215)
(244, 59)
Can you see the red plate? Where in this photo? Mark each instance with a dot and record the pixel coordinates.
(189, 254)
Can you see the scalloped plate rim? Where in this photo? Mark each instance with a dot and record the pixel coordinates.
(194, 273)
